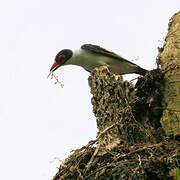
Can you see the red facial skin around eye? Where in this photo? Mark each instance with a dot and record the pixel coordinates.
(60, 58)
(58, 62)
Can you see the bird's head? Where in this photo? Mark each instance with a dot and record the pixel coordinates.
(61, 58)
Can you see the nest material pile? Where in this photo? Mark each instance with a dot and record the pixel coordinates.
(131, 143)
(147, 161)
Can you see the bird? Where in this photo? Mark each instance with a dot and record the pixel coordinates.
(91, 56)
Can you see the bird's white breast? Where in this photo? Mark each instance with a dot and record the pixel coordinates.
(88, 60)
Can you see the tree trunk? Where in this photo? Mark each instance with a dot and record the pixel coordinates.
(169, 60)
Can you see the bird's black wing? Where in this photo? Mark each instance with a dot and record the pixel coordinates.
(101, 51)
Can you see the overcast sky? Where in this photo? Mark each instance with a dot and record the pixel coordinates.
(40, 122)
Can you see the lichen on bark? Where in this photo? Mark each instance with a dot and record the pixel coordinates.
(169, 60)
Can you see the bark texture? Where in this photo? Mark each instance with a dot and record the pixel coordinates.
(123, 112)
(169, 60)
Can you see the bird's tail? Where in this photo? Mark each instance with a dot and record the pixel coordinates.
(142, 71)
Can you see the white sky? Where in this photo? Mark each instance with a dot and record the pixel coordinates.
(39, 121)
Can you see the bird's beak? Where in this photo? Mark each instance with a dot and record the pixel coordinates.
(54, 66)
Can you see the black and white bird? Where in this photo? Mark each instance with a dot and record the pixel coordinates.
(91, 56)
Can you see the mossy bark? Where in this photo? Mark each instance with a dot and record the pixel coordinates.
(123, 112)
(169, 60)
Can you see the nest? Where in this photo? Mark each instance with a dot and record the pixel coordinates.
(148, 161)
(131, 143)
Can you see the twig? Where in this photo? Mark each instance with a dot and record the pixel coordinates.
(80, 174)
(139, 158)
(88, 166)
(105, 130)
(139, 150)
(56, 78)
(113, 164)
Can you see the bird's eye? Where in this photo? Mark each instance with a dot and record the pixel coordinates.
(61, 56)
